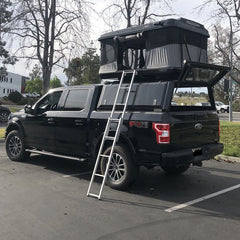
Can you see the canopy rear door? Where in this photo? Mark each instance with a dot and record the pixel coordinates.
(201, 74)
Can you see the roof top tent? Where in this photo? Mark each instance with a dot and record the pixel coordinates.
(159, 47)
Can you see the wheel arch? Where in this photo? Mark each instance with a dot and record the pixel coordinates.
(124, 140)
(15, 126)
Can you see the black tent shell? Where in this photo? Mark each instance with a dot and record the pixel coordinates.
(161, 46)
(179, 23)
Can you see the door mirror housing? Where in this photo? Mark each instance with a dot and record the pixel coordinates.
(28, 109)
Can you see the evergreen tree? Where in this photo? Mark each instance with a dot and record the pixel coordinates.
(5, 18)
(84, 70)
(55, 82)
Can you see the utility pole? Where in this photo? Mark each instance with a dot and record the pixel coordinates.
(230, 75)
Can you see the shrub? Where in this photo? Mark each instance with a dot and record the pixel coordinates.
(236, 106)
(15, 97)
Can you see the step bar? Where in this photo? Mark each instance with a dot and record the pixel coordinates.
(55, 155)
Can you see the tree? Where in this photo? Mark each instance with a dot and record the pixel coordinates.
(34, 86)
(5, 19)
(36, 72)
(227, 43)
(49, 29)
(55, 82)
(134, 12)
(84, 70)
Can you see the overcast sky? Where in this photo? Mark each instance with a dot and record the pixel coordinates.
(182, 8)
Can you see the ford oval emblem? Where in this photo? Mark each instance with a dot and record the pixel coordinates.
(198, 126)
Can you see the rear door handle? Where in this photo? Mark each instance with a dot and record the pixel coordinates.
(78, 122)
(50, 121)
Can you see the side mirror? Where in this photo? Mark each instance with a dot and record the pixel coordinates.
(28, 109)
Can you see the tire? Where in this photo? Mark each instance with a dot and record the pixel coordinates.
(4, 116)
(222, 110)
(175, 170)
(15, 147)
(122, 170)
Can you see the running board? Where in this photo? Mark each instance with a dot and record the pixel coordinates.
(55, 155)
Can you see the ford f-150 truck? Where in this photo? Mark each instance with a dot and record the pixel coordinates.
(163, 125)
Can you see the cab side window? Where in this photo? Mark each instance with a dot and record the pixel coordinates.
(49, 102)
(76, 100)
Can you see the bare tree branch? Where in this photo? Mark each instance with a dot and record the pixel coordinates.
(48, 28)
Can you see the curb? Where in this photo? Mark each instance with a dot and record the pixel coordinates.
(227, 159)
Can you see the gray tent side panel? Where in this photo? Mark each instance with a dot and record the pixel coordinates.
(173, 55)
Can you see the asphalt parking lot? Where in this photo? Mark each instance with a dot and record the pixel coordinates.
(45, 199)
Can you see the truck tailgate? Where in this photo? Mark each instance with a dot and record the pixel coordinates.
(190, 130)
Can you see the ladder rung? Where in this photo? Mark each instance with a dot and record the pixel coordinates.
(99, 175)
(109, 138)
(124, 87)
(120, 104)
(102, 155)
(114, 120)
(93, 195)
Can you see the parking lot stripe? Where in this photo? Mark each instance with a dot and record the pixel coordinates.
(180, 206)
(76, 174)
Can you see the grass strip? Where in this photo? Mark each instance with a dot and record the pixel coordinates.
(2, 132)
(230, 137)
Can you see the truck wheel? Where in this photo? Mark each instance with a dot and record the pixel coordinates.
(4, 116)
(222, 110)
(15, 147)
(174, 170)
(122, 171)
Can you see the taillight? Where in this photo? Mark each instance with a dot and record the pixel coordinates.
(162, 132)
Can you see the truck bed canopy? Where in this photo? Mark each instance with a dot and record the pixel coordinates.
(161, 45)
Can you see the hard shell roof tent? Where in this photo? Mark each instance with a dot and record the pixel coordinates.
(158, 47)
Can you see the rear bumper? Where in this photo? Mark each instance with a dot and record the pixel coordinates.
(194, 156)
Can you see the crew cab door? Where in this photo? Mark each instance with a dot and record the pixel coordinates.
(72, 123)
(39, 124)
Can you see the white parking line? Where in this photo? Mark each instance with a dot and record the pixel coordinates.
(76, 174)
(180, 206)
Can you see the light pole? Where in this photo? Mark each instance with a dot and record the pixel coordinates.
(230, 76)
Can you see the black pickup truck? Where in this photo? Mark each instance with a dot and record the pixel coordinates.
(171, 124)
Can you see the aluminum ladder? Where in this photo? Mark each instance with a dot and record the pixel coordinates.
(113, 138)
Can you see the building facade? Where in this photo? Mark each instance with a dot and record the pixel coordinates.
(12, 82)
